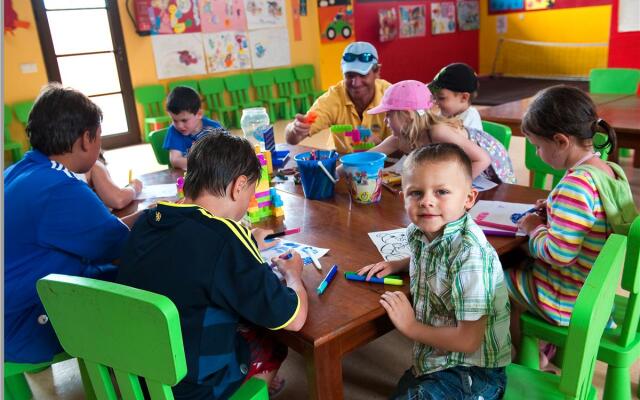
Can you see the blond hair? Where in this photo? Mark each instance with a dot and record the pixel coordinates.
(417, 124)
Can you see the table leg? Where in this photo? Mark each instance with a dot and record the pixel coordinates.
(324, 372)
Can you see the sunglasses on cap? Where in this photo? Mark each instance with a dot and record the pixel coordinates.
(364, 57)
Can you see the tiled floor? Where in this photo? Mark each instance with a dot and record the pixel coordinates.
(369, 373)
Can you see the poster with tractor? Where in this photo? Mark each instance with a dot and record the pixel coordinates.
(335, 18)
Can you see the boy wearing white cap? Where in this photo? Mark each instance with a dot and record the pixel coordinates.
(347, 102)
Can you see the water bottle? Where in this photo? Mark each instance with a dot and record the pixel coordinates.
(254, 122)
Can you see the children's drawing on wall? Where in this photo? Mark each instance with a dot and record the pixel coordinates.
(303, 8)
(413, 21)
(443, 18)
(265, 13)
(226, 51)
(336, 22)
(174, 16)
(222, 15)
(388, 20)
(269, 47)
(178, 55)
(538, 4)
(392, 244)
(505, 5)
(501, 24)
(468, 15)
(11, 20)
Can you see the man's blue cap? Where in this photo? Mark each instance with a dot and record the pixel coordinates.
(356, 65)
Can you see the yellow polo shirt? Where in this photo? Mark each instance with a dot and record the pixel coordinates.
(335, 107)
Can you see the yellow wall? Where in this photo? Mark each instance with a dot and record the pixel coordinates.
(575, 25)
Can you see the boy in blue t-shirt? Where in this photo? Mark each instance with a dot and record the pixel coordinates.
(184, 108)
(54, 223)
(210, 266)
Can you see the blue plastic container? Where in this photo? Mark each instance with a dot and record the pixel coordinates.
(316, 184)
(278, 158)
(364, 175)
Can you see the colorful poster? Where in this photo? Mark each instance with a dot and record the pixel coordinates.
(178, 55)
(174, 16)
(538, 4)
(388, 19)
(265, 13)
(226, 51)
(336, 23)
(413, 21)
(468, 15)
(443, 18)
(505, 5)
(269, 47)
(222, 15)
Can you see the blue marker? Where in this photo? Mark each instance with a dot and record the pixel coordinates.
(515, 217)
(283, 256)
(327, 279)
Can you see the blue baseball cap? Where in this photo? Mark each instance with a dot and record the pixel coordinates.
(359, 57)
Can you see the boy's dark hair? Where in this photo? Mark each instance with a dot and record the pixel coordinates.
(216, 160)
(60, 116)
(567, 110)
(183, 98)
(436, 152)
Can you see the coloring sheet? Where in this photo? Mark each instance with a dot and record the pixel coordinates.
(178, 55)
(397, 167)
(468, 15)
(226, 51)
(443, 18)
(265, 13)
(158, 191)
(481, 184)
(392, 244)
(282, 246)
(222, 15)
(269, 47)
(174, 16)
(413, 21)
(497, 214)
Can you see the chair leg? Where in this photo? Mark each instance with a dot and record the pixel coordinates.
(17, 388)
(617, 385)
(529, 352)
(89, 393)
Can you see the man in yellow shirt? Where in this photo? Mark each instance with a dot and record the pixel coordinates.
(347, 102)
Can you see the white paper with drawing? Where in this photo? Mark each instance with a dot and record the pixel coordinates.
(283, 246)
(496, 215)
(269, 47)
(392, 244)
(178, 55)
(158, 191)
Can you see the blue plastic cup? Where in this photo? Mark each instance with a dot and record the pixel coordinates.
(364, 175)
(317, 183)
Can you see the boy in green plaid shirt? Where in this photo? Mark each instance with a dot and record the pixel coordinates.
(460, 315)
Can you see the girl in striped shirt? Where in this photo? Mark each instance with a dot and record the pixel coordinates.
(591, 201)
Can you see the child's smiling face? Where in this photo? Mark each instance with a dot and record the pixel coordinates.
(436, 193)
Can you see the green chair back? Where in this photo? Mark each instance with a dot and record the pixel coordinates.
(8, 119)
(23, 109)
(631, 283)
(238, 87)
(156, 138)
(152, 99)
(192, 83)
(540, 169)
(305, 75)
(110, 326)
(9, 144)
(502, 133)
(263, 83)
(588, 321)
(285, 81)
(614, 80)
(212, 90)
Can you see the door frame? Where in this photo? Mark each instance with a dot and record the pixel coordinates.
(122, 65)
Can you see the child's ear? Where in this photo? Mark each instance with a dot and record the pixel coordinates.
(85, 140)
(562, 141)
(199, 114)
(237, 186)
(465, 97)
(471, 199)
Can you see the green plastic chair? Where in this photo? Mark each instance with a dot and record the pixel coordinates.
(277, 107)
(213, 92)
(502, 133)
(22, 110)
(9, 144)
(586, 326)
(614, 80)
(192, 83)
(238, 87)
(156, 138)
(285, 81)
(152, 99)
(132, 332)
(540, 169)
(305, 75)
(619, 348)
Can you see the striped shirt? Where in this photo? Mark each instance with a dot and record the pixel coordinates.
(458, 277)
(566, 248)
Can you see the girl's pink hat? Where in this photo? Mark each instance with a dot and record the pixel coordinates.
(404, 95)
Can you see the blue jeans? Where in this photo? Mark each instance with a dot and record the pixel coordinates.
(463, 383)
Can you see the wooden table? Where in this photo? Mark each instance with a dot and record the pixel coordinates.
(622, 112)
(348, 315)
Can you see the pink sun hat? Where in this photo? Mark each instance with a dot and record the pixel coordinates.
(404, 95)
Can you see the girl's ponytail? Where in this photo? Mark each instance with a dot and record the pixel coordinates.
(601, 125)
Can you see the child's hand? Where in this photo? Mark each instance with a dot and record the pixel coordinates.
(291, 268)
(136, 185)
(530, 222)
(400, 311)
(380, 270)
(541, 205)
(259, 234)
